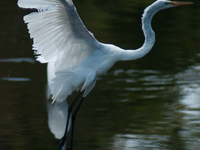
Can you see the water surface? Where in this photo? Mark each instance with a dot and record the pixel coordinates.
(151, 103)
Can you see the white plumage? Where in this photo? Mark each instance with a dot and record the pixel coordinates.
(75, 58)
(59, 37)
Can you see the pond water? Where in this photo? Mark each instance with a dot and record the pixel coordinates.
(151, 103)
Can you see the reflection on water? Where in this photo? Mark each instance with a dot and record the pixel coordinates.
(15, 79)
(174, 122)
(151, 103)
(184, 115)
(13, 61)
(190, 111)
(130, 141)
(18, 60)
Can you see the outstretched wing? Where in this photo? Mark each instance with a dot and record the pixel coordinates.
(58, 32)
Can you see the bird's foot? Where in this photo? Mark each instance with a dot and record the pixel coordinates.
(62, 142)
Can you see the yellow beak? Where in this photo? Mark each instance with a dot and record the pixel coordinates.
(178, 3)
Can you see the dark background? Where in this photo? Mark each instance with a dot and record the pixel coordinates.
(151, 103)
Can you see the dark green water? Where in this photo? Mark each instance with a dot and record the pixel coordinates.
(149, 104)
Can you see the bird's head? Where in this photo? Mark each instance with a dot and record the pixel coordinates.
(164, 4)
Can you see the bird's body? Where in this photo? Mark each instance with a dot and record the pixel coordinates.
(75, 58)
(83, 76)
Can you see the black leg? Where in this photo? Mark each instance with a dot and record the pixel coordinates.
(62, 141)
(73, 121)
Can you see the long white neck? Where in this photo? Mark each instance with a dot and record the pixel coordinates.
(148, 34)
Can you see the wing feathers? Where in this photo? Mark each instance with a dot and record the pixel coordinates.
(61, 86)
(60, 36)
(39, 4)
(55, 28)
(67, 81)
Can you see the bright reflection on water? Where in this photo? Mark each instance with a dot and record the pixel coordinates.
(180, 128)
(151, 103)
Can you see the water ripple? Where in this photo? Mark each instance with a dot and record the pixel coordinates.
(15, 79)
(18, 60)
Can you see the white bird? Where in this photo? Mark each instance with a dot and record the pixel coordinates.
(75, 58)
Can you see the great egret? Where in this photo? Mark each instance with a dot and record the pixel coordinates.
(75, 58)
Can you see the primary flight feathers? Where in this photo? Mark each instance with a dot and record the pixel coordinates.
(56, 30)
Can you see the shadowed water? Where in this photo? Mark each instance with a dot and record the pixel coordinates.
(151, 103)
